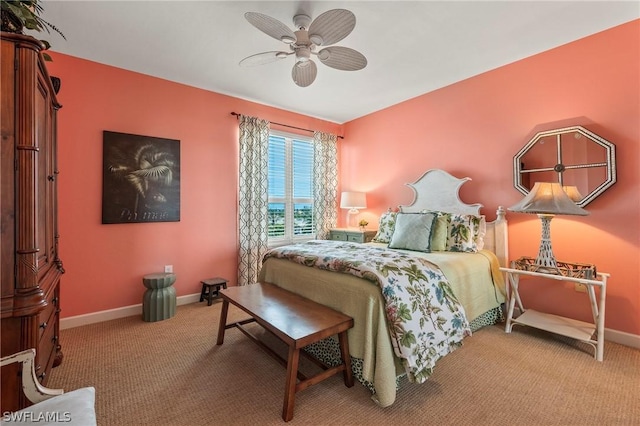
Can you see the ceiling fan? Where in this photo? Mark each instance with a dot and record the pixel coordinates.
(328, 28)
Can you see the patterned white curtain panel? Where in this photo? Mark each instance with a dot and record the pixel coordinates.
(253, 197)
(325, 183)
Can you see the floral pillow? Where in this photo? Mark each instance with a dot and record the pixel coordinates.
(385, 227)
(464, 233)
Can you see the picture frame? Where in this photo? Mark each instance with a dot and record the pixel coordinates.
(141, 179)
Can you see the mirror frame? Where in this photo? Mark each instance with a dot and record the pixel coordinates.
(610, 161)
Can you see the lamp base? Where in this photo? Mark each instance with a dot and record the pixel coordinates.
(566, 269)
(352, 219)
(545, 258)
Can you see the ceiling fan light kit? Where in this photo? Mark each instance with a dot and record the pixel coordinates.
(328, 28)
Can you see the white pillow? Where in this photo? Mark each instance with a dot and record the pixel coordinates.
(482, 231)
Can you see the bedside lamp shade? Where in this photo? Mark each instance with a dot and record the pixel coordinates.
(573, 193)
(546, 200)
(353, 201)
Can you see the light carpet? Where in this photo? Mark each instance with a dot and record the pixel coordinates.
(172, 373)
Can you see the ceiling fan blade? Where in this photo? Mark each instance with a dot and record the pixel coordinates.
(270, 26)
(263, 58)
(304, 75)
(342, 58)
(331, 27)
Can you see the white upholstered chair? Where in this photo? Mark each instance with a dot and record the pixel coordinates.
(51, 406)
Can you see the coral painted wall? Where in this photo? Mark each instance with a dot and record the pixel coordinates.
(105, 263)
(471, 128)
(475, 127)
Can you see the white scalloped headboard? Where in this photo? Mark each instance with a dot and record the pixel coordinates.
(438, 190)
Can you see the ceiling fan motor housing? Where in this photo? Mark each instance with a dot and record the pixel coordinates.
(302, 38)
(302, 47)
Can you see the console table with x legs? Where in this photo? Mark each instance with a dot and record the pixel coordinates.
(591, 333)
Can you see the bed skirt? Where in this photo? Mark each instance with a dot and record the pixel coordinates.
(328, 351)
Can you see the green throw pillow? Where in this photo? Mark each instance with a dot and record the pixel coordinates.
(440, 230)
(413, 231)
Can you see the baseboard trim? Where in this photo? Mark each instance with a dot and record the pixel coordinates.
(627, 339)
(111, 314)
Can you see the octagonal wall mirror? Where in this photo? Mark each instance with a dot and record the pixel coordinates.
(581, 161)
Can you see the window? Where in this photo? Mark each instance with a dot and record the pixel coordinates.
(290, 188)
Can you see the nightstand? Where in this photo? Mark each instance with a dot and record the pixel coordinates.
(591, 333)
(352, 235)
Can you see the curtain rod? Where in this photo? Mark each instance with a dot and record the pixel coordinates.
(286, 125)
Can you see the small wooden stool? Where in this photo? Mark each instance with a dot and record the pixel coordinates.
(211, 288)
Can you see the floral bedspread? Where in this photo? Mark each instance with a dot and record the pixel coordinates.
(426, 322)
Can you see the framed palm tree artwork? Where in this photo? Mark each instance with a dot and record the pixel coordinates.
(141, 179)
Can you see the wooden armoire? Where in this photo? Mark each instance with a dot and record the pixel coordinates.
(30, 267)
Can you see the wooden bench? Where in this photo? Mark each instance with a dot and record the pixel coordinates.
(296, 321)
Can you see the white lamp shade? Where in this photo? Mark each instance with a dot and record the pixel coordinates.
(573, 193)
(548, 198)
(353, 200)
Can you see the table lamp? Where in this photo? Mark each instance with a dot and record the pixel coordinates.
(353, 201)
(573, 193)
(546, 200)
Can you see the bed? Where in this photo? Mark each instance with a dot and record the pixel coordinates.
(471, 274)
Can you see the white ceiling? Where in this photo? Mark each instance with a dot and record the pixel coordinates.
(412, 47)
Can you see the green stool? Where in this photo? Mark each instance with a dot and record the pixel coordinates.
(159, 301)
